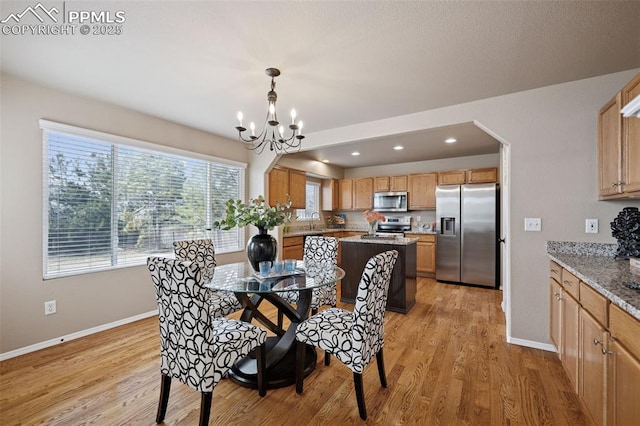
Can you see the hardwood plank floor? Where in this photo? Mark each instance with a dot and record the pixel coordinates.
(447, 363)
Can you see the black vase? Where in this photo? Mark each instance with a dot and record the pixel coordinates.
(261, 246)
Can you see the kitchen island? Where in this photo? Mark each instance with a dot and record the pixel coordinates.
(356, 251)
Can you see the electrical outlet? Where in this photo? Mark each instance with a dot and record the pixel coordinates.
(591, 226)
(532, 224)
(50, 307)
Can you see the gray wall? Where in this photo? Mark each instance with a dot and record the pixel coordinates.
(83, 301)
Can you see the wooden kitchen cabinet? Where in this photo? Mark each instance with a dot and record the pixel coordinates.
(425, 254)
(292, 247)
(623, 363)
(390, 183)
(345, 188)
(286, 182)
(330, 195)
(363, 193)
(422, 191)
(592, 366)
(619, 146)
(555, 309)
(623, 386)
(570, 337)
(382, 184)
(454, 177)
(398, 183)
(486, 175)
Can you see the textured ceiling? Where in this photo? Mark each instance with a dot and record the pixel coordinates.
(198, 63)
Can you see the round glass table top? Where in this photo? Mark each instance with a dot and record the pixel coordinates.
(241, 278)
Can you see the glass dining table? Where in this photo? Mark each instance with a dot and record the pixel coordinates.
(252, 290)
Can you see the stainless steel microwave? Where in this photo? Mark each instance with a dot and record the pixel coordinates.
(390, 201)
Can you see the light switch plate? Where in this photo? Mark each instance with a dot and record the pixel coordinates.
(532, 224)
(591, 226)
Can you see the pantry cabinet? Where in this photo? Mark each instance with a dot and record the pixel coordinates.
(619, 146)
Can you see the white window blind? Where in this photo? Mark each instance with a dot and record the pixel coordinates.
(110, 205)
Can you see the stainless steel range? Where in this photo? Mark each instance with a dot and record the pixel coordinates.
(394, 225)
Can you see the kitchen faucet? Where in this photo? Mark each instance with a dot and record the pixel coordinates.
(311, 220)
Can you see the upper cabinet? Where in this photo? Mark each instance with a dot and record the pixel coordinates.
(619, 146)
(422, 191)
(363, 193)
(459, 177)
(345, 189)
(330, 194)
(390, 183)
(283, 182)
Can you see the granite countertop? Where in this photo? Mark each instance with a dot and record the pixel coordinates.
(400, 241)
(603, 273)
(320, 231)
(415, 231)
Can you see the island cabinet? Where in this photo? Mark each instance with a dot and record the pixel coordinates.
(599, 348)
(422, 191)
(619, 146)
(287, 182)
(425, 254)
(402, 288)
(292, 247)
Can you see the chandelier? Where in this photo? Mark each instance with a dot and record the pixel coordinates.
(272, 134)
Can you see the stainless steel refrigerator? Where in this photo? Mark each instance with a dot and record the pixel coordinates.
(467, 248)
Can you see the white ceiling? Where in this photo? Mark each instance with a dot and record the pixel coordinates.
(342, 63)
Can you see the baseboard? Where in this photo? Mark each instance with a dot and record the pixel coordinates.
(73, 336)
(531, 344)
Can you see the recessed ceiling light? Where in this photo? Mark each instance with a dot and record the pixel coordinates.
(451, 140)
(325, 161)
(398, 147)
(355, 153)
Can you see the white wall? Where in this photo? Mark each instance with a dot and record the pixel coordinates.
(83, 301)
(551, 133)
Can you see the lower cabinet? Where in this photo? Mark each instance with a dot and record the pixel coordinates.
(292, 247)
(425, 254)
(623, 386)
(599, 349)
(570, 327)
(555, 309)
(592, 356)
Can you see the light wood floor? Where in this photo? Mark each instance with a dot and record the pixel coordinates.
(447, 364)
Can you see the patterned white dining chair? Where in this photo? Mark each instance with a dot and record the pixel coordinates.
(320, 250)
(197, 348)
(353, 337)
(202, 252)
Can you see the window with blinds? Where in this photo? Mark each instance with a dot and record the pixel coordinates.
(111, 202)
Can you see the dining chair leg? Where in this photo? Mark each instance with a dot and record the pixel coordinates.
(381, 373)
(262, 370)
(301, 349)
(327, 358)
(165, 388)
(357, 381)
(205, 408)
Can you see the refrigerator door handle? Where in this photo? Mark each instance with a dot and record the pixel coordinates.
(502, 240)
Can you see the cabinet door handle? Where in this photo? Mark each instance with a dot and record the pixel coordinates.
(567, 282)
(606, 351)
(597, 342)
